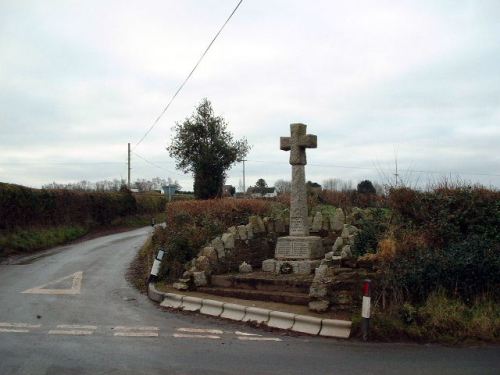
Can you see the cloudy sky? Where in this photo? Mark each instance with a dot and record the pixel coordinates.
(416, 81)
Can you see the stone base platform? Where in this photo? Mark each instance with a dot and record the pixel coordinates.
(264, 286)
(299, 248)
(302, 267)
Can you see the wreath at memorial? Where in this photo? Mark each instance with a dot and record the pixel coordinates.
(286, 268)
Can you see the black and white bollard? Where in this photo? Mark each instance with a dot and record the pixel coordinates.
(153, 222)
(365, 309)
(156, 266)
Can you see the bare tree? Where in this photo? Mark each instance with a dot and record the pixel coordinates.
(283, 186)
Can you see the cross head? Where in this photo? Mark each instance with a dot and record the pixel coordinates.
(297, 143)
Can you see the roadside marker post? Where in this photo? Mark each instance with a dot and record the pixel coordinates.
(153, 222)
(365, 309)
(156, 266)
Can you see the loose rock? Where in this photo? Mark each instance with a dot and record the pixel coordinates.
(245, 268)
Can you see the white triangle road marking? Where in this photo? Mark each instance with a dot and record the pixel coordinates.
(75, 288)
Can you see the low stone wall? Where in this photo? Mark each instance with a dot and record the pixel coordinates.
(338, 278)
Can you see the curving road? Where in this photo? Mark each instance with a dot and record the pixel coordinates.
(70, 311)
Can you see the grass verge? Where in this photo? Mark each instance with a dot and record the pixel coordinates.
(140, 268)
(440, 320)
(28, 240)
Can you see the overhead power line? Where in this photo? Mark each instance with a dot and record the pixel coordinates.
(155, 164)
(386, 169)
(155, 122)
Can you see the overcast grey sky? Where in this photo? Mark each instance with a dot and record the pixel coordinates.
(420, 79)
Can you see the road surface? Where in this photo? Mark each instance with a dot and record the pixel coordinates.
(70, 311)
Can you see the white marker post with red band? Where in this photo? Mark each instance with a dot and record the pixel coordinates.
(365, 308)
(156, 265)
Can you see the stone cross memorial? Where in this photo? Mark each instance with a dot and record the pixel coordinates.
(299, 251)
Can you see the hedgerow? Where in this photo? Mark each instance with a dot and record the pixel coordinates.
(447, 238)
(22, 207)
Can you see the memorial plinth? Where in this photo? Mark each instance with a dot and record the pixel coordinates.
(298, 252)
(294, 248)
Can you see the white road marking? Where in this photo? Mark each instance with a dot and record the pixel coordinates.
(137, 328)
(246, 334)
(75, 326)
(201, 330)
(20, 325)
(75, 332)
(75, 288)
(136, 334)
(14, 330)
(259, 339)
(187, 336)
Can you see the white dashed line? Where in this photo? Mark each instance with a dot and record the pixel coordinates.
(76, 326)
(246, 334)
(14, 330)
(74, 332)
(201, 330)
(19, 325)
(136, 331)
(259, 339)
(137, 328)
(136, 334)
(187, 336)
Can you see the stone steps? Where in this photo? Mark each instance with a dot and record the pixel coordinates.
(262, 295)
(263, 281)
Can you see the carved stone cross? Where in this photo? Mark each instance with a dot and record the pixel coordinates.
(297, 144)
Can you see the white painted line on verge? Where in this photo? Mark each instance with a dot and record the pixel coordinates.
(75, 326)
(246, 334)
(14, 330)
(19, 325)
(201, 330)
(187, 336)
(75, 287)
(259, 339)
(136, 334)
(137, 328)
(74, 332)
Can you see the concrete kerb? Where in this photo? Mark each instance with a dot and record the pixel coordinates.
(172, 300)
(335, 328)
(233, 311)
(191, 303)
(282, 320)
(211, 307)
(307, 324)
(256, 314)
(154, 294)
(275, 319)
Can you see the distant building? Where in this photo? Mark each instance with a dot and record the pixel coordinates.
(257, 192)
(169, 190)
(228, 190)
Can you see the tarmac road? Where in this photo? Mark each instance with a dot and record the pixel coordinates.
(78, 315)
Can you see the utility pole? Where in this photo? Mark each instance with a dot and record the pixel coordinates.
(244, 187)
(396, 174)
(128, 181)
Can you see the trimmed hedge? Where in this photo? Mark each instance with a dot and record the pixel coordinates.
(22, 207)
